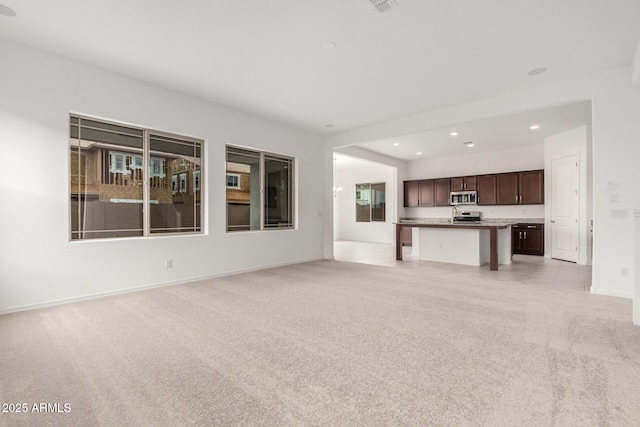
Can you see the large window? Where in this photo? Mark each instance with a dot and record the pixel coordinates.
(259, 190)
(116, 193)
(371, 202)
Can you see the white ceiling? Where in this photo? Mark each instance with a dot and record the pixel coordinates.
(494, 133)
(344, 162)
(268, 57)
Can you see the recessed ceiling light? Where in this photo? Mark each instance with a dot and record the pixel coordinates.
(395, 144)
(537, 71)
(330, 45)
(4, 10)
(454, 134)
(330, 125)
(534, 127)
(419, 153)
(469, 144)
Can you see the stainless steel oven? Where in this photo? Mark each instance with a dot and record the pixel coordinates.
(463, 198)
(467, 217)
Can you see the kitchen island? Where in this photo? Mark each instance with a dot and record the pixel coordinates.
(470, 236)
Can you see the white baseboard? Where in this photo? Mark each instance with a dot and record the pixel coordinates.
(611, 294)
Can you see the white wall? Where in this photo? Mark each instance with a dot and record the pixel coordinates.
(478, 163)
(574, 141)
(38, 264)
(636, 293)
(346, 227)
(615, 135)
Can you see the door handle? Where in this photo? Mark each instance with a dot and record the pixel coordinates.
(520, 235)
(525, 235)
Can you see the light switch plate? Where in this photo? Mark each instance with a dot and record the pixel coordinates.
(618, 213)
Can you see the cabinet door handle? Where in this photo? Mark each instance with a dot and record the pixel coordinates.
(525, 235)
(531, 226)
(520, 235)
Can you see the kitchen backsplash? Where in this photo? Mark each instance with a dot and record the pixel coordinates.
(494, 211)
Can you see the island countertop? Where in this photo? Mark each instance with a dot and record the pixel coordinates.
(487, 221)
(438, 223)
(491, 226)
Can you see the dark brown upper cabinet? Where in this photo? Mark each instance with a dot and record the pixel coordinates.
(514, 188)
(464, 183)
(507, 188)
(419, 193)
(532, 187)
(520, 188)
(411, 193)
(427, 197)
(486, 185)
(443, 189)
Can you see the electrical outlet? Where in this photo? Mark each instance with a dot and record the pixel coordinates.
(168, 263)
(624, 271)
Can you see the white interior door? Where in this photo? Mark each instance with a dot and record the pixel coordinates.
(565, 204)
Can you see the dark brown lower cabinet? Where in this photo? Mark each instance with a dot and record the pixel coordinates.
(527, 239)
(407, 238)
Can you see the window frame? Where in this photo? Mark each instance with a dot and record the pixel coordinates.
(370, 201)
(147, 166)
(292, 206)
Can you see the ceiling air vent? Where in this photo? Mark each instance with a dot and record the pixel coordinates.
(384, 6)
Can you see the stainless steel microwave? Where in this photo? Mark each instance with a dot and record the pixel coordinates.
(463, 198)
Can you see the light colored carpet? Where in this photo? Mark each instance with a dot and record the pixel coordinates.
(330, 343)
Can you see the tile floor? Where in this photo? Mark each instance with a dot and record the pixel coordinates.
(532, 270)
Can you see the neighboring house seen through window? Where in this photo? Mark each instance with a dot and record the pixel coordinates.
(233, 181)
(196, 181)
(108, 175)
(259, 190)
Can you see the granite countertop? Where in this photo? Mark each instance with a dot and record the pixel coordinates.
(517, 220)
(486, 221)
(461, 224)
